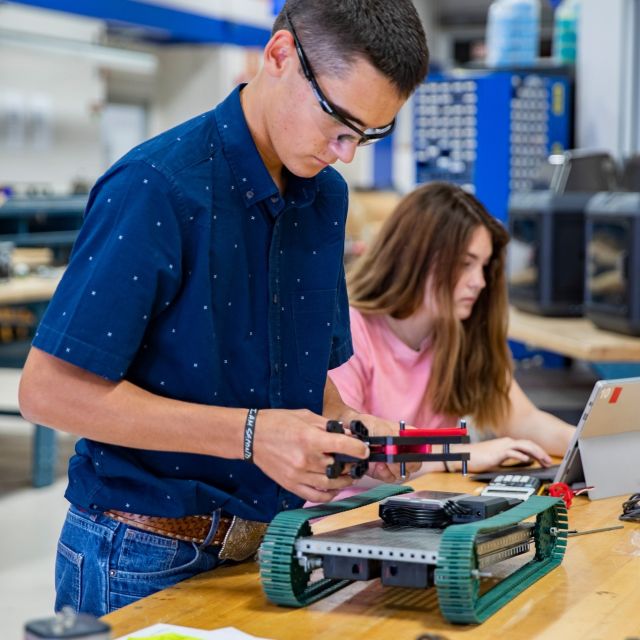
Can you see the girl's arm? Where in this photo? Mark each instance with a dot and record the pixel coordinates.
(526, 421)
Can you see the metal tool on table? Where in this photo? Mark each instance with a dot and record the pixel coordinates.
(573, 532)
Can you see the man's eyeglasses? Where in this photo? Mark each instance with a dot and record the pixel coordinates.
(365, 137)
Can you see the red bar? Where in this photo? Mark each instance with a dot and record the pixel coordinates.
(429, 433)
(615, 395)
(416, 448)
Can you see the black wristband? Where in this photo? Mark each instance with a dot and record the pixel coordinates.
(249, 429)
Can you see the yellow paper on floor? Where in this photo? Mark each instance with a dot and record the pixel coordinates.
(164, 636)
(164, 631)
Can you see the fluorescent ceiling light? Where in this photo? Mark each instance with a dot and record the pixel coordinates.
(118, 59)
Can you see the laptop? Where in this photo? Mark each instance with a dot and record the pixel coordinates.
(605, 448)
(604, 452)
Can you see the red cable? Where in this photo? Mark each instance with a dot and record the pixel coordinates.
(562, 490)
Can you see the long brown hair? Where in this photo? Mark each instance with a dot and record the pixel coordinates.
(425, 239)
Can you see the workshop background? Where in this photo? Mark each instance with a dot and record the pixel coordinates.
(82, 82)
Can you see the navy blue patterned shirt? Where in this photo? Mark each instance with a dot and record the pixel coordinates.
(193, 278)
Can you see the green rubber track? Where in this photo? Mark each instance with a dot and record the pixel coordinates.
(458, 588)
(284, 581)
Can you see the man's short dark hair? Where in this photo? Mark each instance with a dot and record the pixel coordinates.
(386, 33)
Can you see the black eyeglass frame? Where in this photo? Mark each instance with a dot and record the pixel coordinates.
(367, 136)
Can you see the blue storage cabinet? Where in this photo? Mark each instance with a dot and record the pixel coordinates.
(38, 221)
(43, 221)
(490, 131)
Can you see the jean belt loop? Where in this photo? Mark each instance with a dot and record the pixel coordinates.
(215, 521)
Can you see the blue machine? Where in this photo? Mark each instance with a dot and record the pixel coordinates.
(490, 131)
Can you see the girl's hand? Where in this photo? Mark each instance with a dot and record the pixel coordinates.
(492, 453)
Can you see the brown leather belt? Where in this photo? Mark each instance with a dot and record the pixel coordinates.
(237, 538)
(189, 528)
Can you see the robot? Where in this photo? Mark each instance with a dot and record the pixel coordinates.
(439, 540)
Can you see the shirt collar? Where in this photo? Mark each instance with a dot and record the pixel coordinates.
(252, 180)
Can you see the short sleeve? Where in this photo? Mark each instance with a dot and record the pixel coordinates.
(352, 379)
(124, 270)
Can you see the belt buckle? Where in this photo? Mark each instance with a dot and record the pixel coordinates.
(242, 539)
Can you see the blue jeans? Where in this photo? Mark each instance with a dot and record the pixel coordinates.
(103, 565)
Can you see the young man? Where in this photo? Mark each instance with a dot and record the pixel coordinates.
(208, 279)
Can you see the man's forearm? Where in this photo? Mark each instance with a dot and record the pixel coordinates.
(62, 396)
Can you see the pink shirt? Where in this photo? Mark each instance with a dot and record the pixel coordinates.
(385, 377)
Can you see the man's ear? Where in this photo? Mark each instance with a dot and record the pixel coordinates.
(279, 53)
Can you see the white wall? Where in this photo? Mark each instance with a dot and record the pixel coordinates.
(607, 76)
(438, 39)
(123, 127)
(49, 102)
(254, 12)
(192, 80)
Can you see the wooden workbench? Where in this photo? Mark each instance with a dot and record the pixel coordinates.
(594, 594)
(573, 337)
(28, 289)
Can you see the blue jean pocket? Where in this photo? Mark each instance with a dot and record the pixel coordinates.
(68, 577)
(147, 563)
(144, 553)
(83, 553)
(103, 565)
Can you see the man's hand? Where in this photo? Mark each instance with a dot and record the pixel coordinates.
(293, 448)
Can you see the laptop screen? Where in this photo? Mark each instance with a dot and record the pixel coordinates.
(608, 431)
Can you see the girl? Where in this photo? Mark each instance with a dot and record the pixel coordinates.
(429, 317)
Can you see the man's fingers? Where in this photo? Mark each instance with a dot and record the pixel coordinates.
(349, 446)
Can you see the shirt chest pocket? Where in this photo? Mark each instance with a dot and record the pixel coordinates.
(313, 314)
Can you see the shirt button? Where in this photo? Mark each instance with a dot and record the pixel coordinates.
(274, 199)
(249, 195)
